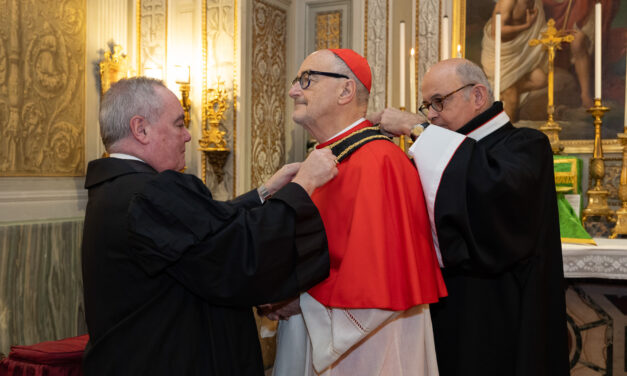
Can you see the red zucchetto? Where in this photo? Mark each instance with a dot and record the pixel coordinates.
(356, 63)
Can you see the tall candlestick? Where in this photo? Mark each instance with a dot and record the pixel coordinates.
(597, 50)
(445, 50)
(412, 82)
(401, 44)
(459, 50)
(497, 57)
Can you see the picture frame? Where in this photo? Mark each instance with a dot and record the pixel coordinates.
(468, 23)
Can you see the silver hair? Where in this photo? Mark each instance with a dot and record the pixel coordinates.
(127, 98)
(470, 73)
(362, 94)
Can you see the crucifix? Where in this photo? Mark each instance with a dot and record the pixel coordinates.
(551, 40)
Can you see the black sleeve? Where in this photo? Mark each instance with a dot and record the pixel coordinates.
(227, 253)
(494, 203)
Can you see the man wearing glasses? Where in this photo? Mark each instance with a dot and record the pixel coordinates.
(371, 315)
(490, 192)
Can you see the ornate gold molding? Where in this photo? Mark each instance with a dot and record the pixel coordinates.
(268, 90)
(328, 26)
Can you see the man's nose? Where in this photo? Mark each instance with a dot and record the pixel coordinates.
(431, 114)
(295, 90)
(188, 136)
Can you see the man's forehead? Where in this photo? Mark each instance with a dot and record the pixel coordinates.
(439, 82)
(318, 60)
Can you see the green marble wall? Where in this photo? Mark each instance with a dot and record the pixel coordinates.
(41, 295)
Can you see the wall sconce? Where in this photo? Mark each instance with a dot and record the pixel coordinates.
(113, 67)
(182, 78)
(212, 143)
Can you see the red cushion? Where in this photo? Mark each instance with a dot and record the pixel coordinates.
(63, 351)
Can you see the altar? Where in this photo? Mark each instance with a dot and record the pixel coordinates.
(596, 304)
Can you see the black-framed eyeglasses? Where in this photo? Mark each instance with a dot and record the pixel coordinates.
(438, 102)
(304, 80)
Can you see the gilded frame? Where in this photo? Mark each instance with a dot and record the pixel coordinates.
(571, 146)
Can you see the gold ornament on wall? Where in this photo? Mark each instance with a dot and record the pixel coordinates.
(113, 67)
(213, 142)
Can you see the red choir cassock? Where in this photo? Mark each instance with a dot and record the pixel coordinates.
(378, 231)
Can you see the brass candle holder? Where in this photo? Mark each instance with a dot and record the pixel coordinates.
(186, 103)
(182, 75)
(401, 138)
(213, 143)
(597, 196)
(621, 213)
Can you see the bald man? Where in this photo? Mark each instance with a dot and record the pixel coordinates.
(490, 192)
(371, 315)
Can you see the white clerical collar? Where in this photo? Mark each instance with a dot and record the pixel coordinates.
(125, 156)
(489, 127)
(347, 128)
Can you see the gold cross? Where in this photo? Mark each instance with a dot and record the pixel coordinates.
(552, 40)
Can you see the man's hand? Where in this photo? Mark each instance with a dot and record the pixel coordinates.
(281, 177)
(280, 311)
(316, 170)
(395, 122)
(532, 14)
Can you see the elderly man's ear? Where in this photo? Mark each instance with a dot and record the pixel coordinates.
(479, 95)
(138, 129)
(348, 92)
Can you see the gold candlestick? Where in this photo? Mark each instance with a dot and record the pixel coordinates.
(401, 138)
(551, 41)
(621, 213)
(597, 196)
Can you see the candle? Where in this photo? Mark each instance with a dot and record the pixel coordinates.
(445, 50)
(459, 50)
(625, 107)
(597, 51)
(401, 43)
(497, 57)
(412, 81)
(181, 74)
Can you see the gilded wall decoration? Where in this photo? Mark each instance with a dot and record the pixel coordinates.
(376, 44)
(328, 27)
(42, 95)
(219, 44)
(268, 90)
(153, 36)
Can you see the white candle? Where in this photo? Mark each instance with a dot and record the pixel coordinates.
(445, 50)
(401, 44)
(412, 82)
(459, 50)
(597, 51)
(497, 57)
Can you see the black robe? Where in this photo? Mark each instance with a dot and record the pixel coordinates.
(170, 275)
(496, 222)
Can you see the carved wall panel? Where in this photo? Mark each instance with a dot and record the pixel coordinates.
(328, 27)
(152, 36)
(268, 90)
(220, 51)
(376, 49)
(42, 95)
(428, 38)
